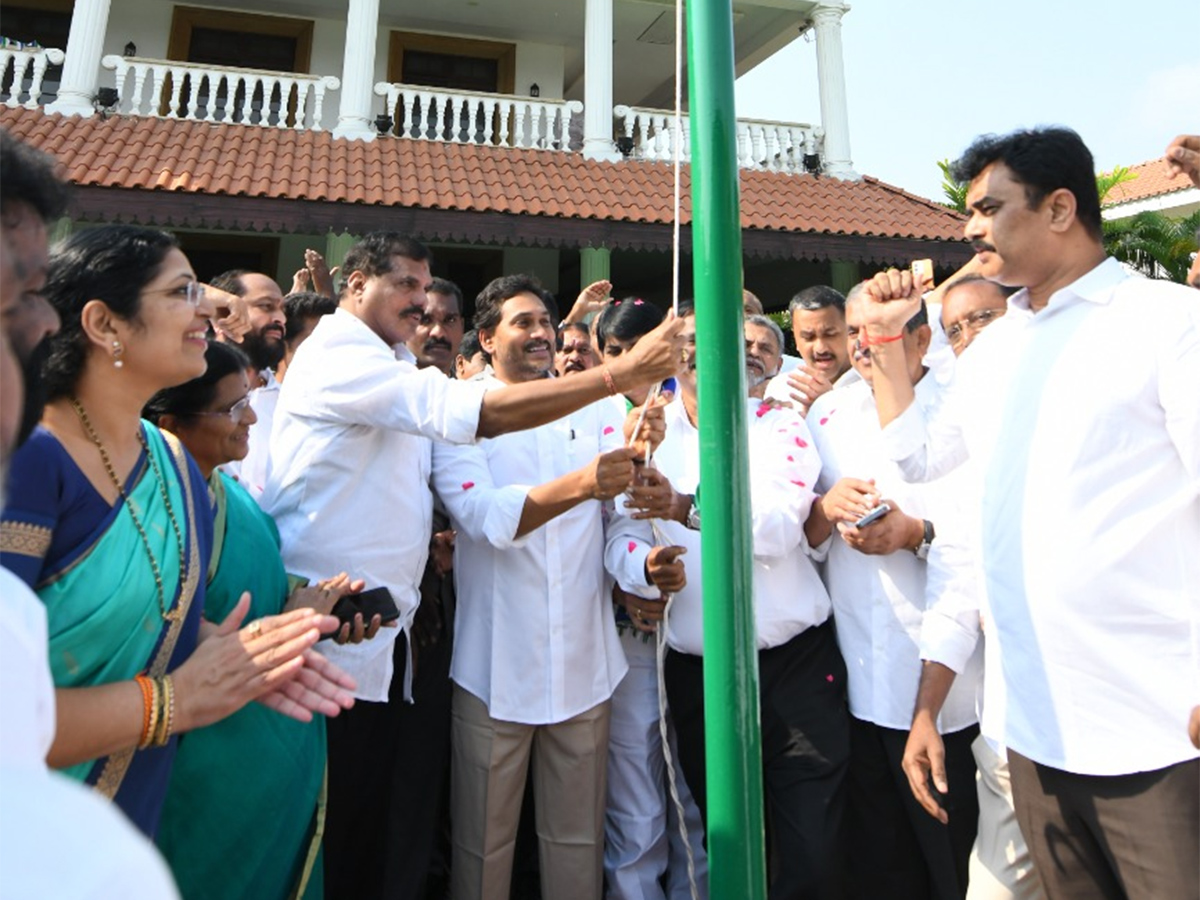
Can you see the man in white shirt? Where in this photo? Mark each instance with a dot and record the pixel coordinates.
(819, 329)
(264, 344)
(876, 578)
(349, 481)
(805, 728)
(536, 654)
(764, 353)
(1000, 866)
(1088, 476)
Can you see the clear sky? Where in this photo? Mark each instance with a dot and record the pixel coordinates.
(924, 77)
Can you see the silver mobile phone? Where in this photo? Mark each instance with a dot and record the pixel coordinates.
(873, 516)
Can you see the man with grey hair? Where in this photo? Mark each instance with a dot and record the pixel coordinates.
(764, 353)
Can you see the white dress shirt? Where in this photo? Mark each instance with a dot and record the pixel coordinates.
(251, 472)
(48, 819)
(779, 389)
(1090, 515)
(349, 475)
(788, 594)
(534, 636)
(879, 601)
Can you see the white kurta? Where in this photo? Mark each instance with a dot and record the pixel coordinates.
(788, 594)
(879, 601)
(534, 636)
(1089, 475)
(349, 475)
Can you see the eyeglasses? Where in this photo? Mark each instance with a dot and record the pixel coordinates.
(235, 413)
(191, 293)
(975, 321)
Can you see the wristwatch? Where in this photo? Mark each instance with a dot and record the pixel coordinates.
(922, 549)
(692, 520)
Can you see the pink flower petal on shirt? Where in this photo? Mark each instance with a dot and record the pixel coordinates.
(762, 410)
(467, 485)
(801, 442)
(829, 678)
(798, 483)
(608, 429)
(632, 546)
(791, 459)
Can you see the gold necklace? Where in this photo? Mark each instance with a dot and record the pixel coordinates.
(168, 616)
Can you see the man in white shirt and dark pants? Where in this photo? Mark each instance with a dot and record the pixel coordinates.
(802, 679)
(876, 578)
(349, 481)
(1089, 481)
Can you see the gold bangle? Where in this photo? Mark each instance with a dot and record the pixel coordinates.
(169, 727)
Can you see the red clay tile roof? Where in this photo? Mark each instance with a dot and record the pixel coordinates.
(1151, 181)
(238, 160)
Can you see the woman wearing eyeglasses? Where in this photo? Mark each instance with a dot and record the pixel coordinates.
(262, 812)
(108, 519)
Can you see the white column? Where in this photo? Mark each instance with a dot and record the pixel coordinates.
(827, 21)
(598, 81)
(358, 72)
(81, 68)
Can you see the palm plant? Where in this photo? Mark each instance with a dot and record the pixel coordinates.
(1155, 245)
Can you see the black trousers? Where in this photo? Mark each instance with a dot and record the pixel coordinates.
(897, 850)
(805, 746)
(1111, 837)
(388, 765)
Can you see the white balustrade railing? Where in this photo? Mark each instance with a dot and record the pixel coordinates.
(22, 71)
(495, 120)
(762, 144)
(181, 90)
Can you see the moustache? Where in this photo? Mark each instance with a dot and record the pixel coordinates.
(437, 342)
(982, 246)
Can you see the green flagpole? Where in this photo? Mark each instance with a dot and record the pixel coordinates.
(737, 867)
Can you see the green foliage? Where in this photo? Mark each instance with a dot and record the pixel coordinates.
(1106, 181)
(1155, 245)
(955, 192)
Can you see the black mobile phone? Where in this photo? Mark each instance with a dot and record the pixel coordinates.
(873, 516)
(377, 601)
(369, 603)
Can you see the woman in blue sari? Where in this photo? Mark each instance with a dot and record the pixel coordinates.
(107, 519)
(265, 811)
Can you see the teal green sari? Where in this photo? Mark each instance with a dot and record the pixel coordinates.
(245, 803)
(88, 564)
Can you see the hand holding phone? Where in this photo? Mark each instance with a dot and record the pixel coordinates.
(873, 516)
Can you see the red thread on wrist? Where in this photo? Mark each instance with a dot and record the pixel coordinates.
(868, 341)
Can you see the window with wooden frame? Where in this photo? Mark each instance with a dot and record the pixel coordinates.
(448, 63)
(221, 38)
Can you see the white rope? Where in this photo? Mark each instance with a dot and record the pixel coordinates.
(680, 40)
(660, 649)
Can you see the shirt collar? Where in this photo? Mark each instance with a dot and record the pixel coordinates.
(1095, 286)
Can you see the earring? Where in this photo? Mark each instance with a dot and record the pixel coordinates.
(117, 351)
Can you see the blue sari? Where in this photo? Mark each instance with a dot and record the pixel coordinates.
(87, 563)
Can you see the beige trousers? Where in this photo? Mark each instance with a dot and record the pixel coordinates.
(489, 762)
(1000, 865)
